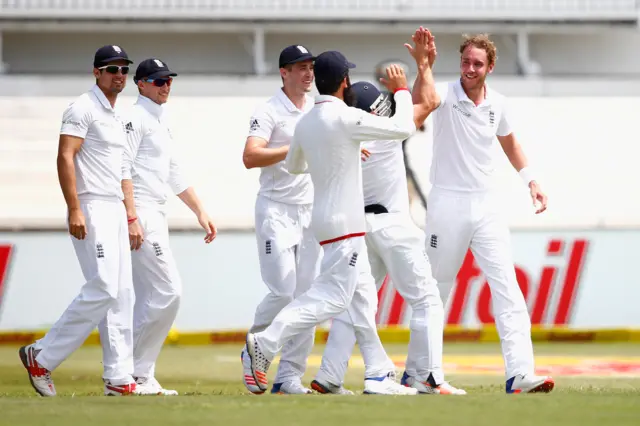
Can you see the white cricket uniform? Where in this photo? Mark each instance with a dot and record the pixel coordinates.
(328, 140)
(151, 165)
(395, 246)
(106, 300)
(289, 254)
(463, 213)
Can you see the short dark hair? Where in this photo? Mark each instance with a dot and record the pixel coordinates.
(329, 87)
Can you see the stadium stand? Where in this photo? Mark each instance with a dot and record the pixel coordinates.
(563, 10)
(573, 112)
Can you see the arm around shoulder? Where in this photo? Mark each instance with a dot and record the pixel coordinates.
(367, 127)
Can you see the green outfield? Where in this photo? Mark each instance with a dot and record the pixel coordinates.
(596, 384)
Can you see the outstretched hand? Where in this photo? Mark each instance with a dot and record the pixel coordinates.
(423, 50)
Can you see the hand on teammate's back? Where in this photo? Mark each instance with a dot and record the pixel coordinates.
(396, 79)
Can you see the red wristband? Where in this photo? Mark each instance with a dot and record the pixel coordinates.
(130, 220)
(399, 89)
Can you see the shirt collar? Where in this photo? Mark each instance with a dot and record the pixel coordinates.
(462, 96)
(101, 97)
(321, 99)
(287, 102)
(152, 107)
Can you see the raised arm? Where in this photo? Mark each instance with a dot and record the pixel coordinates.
(366, 127)
(424, 95)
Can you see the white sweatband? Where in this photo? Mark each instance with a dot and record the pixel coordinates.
(527, 175)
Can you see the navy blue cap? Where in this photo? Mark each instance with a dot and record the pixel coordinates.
(294, 53)
(153, 68)
(370, 99)
(331, 66)
(109, 53)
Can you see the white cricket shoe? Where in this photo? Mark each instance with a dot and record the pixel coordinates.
(151, 386)
(290, 387)
(530, 383)
(39, 376)
(328, 388)
(386, 385)
(119, 390)
(429, 385)
(255, 366)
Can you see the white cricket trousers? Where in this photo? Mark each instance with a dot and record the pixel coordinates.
(458, 221)
(289, 258)
(395, 246)
(158, 289)
(105, 300)
(344, 283)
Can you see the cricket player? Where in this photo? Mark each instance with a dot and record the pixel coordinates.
(326, 143)
(149, 169)
(288, 253)
(463, 212)
(90, 152)
(395, 246)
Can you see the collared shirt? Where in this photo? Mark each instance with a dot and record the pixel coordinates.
(384, 176)
(463, 138)
(98, 164)
(326, 144)
(275, 122)
(149, 160)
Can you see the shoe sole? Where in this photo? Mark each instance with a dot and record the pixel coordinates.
(319, 388)
(25, 362)
(250, 349)
(545, 387)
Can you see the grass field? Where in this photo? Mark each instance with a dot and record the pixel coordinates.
(209, 380)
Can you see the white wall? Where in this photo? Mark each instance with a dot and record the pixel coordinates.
(583, 149)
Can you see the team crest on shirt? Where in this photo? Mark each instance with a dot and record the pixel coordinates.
(254, 124)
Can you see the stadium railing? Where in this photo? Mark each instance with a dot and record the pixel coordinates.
(318, 10)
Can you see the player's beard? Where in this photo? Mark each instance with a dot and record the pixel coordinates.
(349, 95)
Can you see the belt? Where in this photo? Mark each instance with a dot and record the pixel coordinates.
(375, 209)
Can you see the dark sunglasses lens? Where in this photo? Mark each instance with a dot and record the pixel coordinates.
(159, 82)
(113, 69)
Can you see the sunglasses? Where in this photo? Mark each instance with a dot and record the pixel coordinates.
(113, 69)
(159, 82)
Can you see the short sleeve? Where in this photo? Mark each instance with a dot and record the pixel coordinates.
(262, 123)
(504, 127)
(442, 89)
(75, 121)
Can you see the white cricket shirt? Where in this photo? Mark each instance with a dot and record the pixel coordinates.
(275, 122)
(384, 177)
(149, 161)
(463, 135)
(98, 164)
(326, 144)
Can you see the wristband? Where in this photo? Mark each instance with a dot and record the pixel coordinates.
(399, 89)
(527, 175)
(130, 220)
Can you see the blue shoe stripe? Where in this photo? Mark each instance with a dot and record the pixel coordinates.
(404, 379)
(276, 387)
(509, 385)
